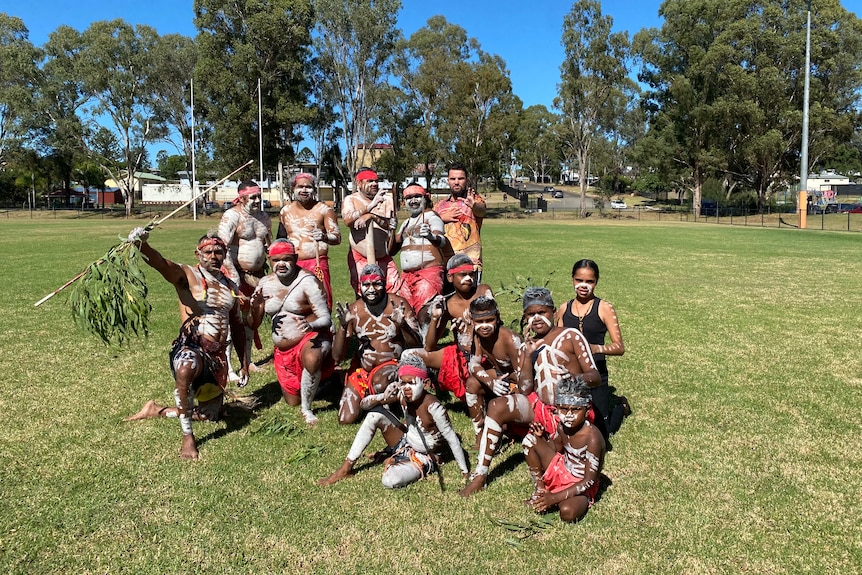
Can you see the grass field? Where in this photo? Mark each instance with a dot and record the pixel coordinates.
(743, 454)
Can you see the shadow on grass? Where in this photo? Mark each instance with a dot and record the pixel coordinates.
(238, 414)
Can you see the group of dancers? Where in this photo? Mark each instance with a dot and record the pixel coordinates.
(546, 386)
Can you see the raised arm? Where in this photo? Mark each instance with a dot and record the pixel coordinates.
(171, 271)
(257, 310)
(343, 332)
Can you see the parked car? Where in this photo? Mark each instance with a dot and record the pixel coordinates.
(266, 204)
(549, 189)
(558, 194)
(618, 205)
(227, 205)
(210, 206)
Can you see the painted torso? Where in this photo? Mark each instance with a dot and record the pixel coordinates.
(300, 222)
(291, 306)
(207, 303)
(416, 251)
(247, 237)
(359, 240)
(558, 356)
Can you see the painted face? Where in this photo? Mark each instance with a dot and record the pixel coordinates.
(369, 188)
(372, 290)
(585, 282)
(485, 324)
(415, 204)
(572, 416)
(304, 189)
(284, 265)
(457, 180)
(539, 318)
(463, 281)
(211, 258)
(412, 388)
(251, 204)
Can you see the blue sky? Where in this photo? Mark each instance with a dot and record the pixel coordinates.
(526, 34)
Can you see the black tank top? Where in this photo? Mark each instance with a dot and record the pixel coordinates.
(594, 328)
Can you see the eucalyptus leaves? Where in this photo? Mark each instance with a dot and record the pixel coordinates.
(110, 299)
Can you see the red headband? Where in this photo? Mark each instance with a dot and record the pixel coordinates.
(466, 268)
(303, 176)
(214, 241)
(279, 248)
(412, 370)
(370, 277)
(250, 191)
(366, 175)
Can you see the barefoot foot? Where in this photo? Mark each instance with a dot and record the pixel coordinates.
(150, 410)
(310, 418)
(189, 450)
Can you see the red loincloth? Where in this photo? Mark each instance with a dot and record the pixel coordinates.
(288, 365)
(453, 371)
(558, 478)
(310, 265)
(419, 286)
(362, 381)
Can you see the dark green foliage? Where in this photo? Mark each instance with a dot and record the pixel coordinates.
(110, 299)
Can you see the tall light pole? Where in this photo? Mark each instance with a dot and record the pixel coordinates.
(803, 174)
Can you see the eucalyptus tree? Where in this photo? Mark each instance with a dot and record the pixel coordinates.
(173, 64)
(461, 97)
(57, 128)
(536, 142)
(480, 111)
(19, 79)
(354, 44)
(240, 42)
(427, 65)
(726, 89)
(594, 89)
(115, 66)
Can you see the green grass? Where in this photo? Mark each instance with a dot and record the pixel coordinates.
(742, 455)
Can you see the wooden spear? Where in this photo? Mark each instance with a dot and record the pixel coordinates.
(149, 227)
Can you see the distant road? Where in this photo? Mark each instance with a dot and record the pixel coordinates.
(569, 201)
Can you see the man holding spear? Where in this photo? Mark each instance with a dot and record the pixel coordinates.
(420, 240)
(209, 310)
(363, 212)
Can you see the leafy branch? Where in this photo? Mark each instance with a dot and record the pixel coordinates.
(110, 299)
